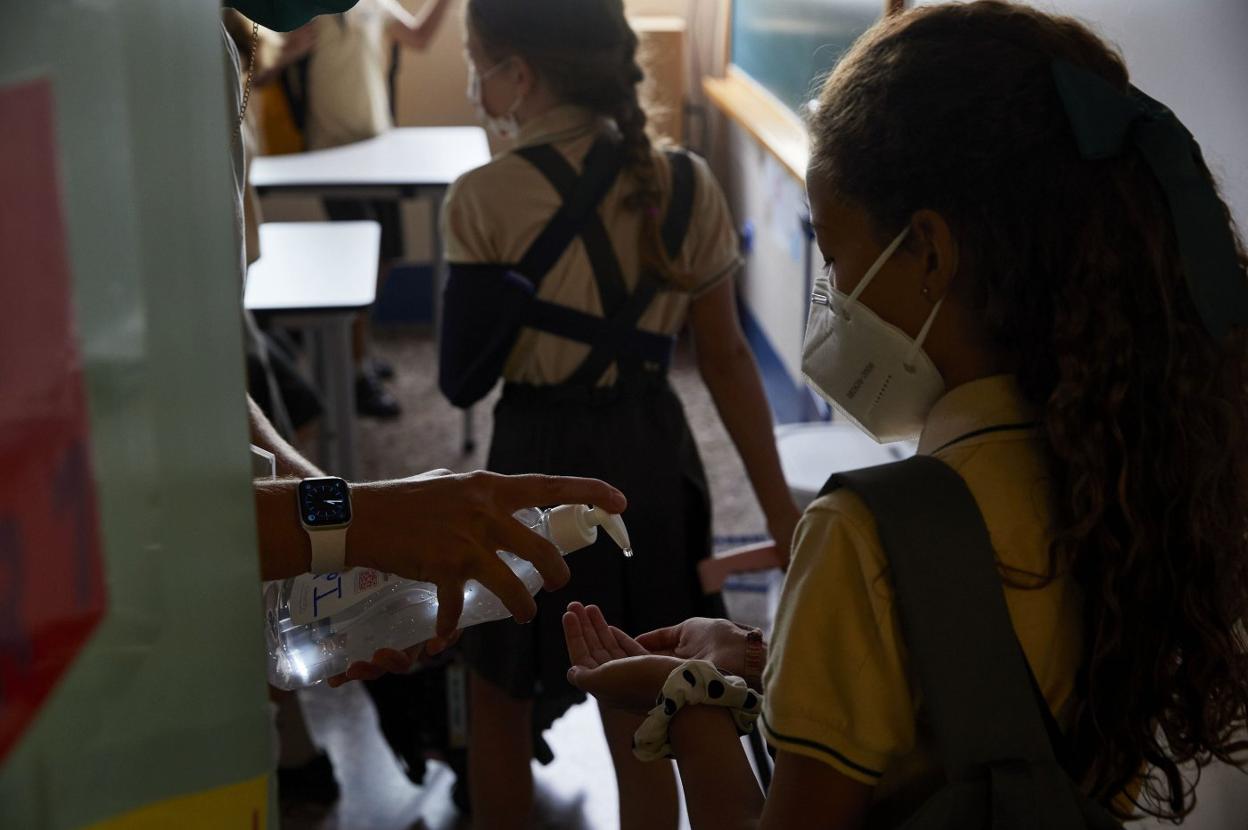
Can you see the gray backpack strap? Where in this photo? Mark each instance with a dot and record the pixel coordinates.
(953, 614)
(979, 694)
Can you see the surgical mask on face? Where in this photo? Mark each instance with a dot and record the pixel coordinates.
(870, 370)
(503, 126)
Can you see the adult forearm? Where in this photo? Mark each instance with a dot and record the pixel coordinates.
(286, 551)
(264, 435)
(721, 791)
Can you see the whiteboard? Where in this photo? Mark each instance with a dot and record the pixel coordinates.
(789, 46)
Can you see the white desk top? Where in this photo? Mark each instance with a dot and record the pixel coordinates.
(314, 267)
(810, 453)
(402, 157)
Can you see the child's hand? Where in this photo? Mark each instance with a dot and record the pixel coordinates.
(609, 664)
(631, 684)
(591, 642)
(721, 642)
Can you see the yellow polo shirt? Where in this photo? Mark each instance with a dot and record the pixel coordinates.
(495, 212)
(839, 688)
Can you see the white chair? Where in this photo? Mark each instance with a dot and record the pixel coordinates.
(810, 453)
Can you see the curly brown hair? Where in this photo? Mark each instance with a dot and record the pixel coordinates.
(1075, 269)
(586, 52)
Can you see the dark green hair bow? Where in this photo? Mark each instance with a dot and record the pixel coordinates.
(1105, 121)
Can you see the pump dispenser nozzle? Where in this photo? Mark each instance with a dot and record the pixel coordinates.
(614, 526)
(574, 526)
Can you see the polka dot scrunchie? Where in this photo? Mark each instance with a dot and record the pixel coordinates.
(695, 682)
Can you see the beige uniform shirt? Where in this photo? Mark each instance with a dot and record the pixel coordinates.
(838, 685)
(348, 98)
(494, 213)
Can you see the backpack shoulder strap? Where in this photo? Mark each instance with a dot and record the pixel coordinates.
(680, 204)
(954, 619)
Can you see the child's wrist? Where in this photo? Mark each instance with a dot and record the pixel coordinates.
(694, 684)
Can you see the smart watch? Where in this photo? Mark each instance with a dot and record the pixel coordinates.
(325, 513)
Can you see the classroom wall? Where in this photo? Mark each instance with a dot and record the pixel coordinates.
(1191, 57)
(432, 84)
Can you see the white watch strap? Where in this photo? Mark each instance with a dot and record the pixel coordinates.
(329, 549)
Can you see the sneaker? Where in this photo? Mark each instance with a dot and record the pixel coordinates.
(311, 782)
(373, 399)
(379, 367)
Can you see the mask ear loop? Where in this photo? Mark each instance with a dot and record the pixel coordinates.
(884, 256)
(908, 365)
(511, 128)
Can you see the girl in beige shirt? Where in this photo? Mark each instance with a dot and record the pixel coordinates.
(586, 380)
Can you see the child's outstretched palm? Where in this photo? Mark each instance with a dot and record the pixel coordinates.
(609, 664)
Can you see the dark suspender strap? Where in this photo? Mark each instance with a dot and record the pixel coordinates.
(578, 213)
(602, 259)
(954, 619)
(582, 327)
(614, 340)
(680, 205)
(614, 337)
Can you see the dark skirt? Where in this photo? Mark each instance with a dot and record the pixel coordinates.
(637, 439)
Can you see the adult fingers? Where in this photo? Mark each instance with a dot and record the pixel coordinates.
(518, 539)
(437, 645)
(393, 661)
(516, 492)
(450, 606)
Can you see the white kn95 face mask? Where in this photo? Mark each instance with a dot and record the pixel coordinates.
(870, 370)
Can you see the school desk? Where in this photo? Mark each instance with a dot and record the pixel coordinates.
(318, 276)
(404, 163)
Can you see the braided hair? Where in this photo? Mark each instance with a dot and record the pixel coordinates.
(585, 51)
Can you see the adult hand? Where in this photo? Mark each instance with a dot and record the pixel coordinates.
(720, 641)
(609, 664)
(393, 661)
(447, 529)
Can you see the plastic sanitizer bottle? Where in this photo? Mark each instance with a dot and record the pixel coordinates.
(318, 624)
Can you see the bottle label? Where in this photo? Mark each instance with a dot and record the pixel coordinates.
(317, 596)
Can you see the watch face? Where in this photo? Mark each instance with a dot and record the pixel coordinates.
(324, 502)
